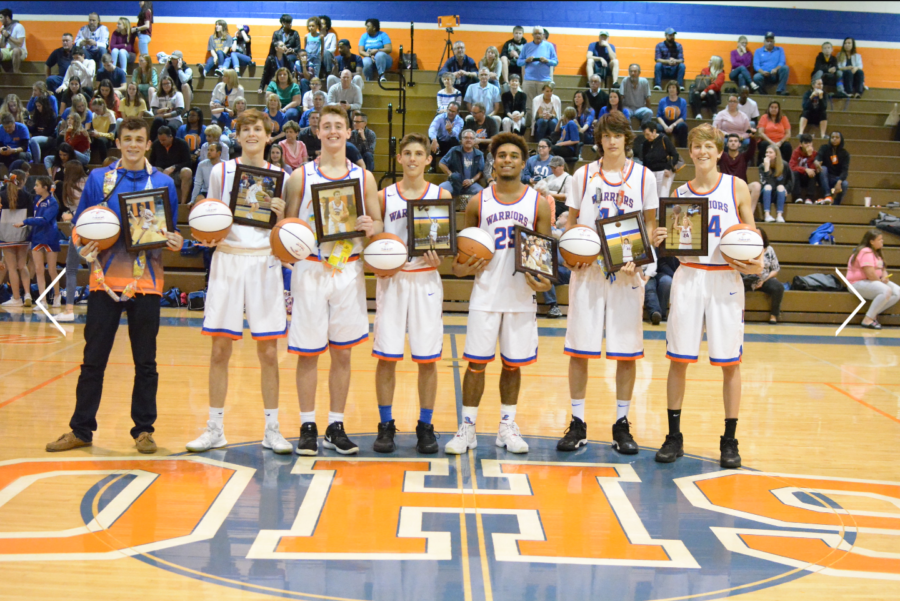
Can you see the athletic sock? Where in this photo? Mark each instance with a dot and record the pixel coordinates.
(425, 415)
(469, 415)
(217, 416)
(271, 417)
(385, 412)
(622, 409)
(334, 416)
(578, 408)
(507, 414)
(674, 420)
(307, 417)
(730, 427)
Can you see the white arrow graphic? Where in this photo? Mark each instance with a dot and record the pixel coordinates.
(41, 306)
(862, 301)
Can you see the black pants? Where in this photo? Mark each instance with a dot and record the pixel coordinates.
(774, 289)
(786, 151)
(711, 101)
(103, 314)
(566, 152)
(804, 186)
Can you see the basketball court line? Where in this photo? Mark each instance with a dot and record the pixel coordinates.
(841, 369)
(860, 401)
(39, 386)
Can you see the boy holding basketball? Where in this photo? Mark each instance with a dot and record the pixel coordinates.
(503, 305)
(244, 278)
(411, 300)
(708, 289)
(330, 295)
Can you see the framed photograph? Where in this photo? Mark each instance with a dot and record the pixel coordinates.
(336, 206)
(432, 226)
(146, 219)
(686, 221)
(624, 239)
(252, 194)
(536, 254)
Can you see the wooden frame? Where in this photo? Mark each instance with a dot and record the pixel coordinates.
(440, 247)
(258, 214)
(141, 214)
(543, 264)
(697, 210)
(326, 192)
(633, 225)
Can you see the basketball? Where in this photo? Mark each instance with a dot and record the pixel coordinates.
(210, 221)
(292, 240)
(580, 245)
(474, 241)
(386, 254)
(741, 242)
(100, 225)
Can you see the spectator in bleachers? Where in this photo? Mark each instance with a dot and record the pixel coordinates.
(181, 75)
(345, 93)
(770, 65)
(145, 77)
(57, 161)
(66, 98)
(121, 48)
(448, 93)
(345, 59)
(69, 192)
(747, 105)
(570, 136)
(303, 72)
(557, 183)
(485, 128)
(241, 53)
(491, 62)
(173, 157)
(42, 129)
(240, 105)
(76, 136)
(329, 45)
(672, 113)
(803, 164)
(133, 105)
(204, 168)
(106, 92)
(741, 63)
(774, 128)
(375, 49)
(584, 115)
(315, 85)
(601, 59)
(776, 178)
(463, 165)
(276, 157)
(707, 87)
(167, 107)
(143, 31)
(221, 104)
(310, 137)
(614, 103)
(60, 58)
(767, 281)
(669, 61)
(867, 271)
(12, 40)
(635, 92)
(826, 68)
(537, 60)
(293, 150)
(14, 138)
(833, 163)
(13, 106)
(364, 139)
(38, 90)
(115, 75)
(483, 93)
(218, 47)
(275, 61)
(290, 38)
(314, 45)
(103, 128)
(731, 120)
(193, 132)
(537, 167)
(93, 37)
(509, 55)
(514, 105)
(815, 108)
(851, 66)
(275, 116)
(15, 201)
(213, 134)
(319, 101)
(80, 105)
(288, 92)
(735, 161)
(546, 111)
(81, 69)
(462, 67)
(659, 283)
(594, 95)
(444, 131)
(660, 156)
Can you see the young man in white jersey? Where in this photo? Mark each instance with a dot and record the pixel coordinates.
(329, 297)
(338, 215)
(707, 289)
(610, 186)
(244, 278)
(503, 305)
(411, 300)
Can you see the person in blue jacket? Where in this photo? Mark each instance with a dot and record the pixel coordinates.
(44, 234)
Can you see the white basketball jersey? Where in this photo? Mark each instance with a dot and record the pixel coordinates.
(596, 196)
(312, 176)
(247, 237)
(499, 288)
(686, 238)
(394, 211)
(723, 213)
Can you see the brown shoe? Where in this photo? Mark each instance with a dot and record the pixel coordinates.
(66, 442)
(144, 443)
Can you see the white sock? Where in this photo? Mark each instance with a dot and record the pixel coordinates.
(307, 417)
(622, 409)
(578, 408)
(271, 417)
(507, 414)
(334, 416)
(470, 415)
(217, 416)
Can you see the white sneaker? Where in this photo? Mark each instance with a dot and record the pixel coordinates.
(769, 218)
(13, 302)
(27, 300)
(463, 441)
(57, 302)
(780, 218)
(508, 436)
(64, 317)
(212, 438)
(275, 441)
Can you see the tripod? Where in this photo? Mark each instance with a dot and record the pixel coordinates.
(446, 53)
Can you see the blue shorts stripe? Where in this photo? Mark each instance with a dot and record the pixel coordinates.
(509, 361)
(222, 331)
(269, 334)
(733, 360)
(349, 342)
(477, 358)
(637, 354)
(427, 357)
(387, 355)
(307, 351)
(587, 353)
(691, 357)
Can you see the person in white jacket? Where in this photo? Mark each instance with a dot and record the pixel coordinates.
(850, 65)
(81, 69)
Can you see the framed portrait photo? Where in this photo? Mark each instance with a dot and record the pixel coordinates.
(336, 206)
(432, 226)
(623, 239)
(686, 221)
(252, 194)
(146, 219)
(536, 254)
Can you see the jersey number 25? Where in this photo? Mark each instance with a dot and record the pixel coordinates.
(504, 237)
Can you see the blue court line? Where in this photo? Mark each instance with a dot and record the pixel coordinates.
(457, 385)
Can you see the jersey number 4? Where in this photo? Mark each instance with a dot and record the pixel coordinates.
(504, 237)
(714, 227)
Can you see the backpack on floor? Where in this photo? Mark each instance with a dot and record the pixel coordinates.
(196, 300)
(172, 298)
(824, 234)
(817, 282)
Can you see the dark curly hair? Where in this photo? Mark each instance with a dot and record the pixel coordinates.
(509, 138)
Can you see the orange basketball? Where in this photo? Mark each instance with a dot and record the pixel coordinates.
(210, 221)
(292, 240)
(98, 224)
(386, 254)
(580, 245)
(474, 241)
(741, 242)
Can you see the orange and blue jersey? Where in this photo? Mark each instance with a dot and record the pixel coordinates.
(44, 231)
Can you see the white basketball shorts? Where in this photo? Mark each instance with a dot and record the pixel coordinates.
(517, 333)
(409, 302)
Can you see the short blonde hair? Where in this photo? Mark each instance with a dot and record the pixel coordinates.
(269, 98)
(706, 133)
(213, 132)
(231, 79)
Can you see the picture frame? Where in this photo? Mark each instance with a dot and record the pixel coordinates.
(335, 212)
(432, 226)
(693, 242)
(536, 254)
(255, 181)
(630, 227)
(146, 219)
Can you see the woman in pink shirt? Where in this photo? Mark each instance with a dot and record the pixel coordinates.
(293, 150)
(866, 271)
(731, 120)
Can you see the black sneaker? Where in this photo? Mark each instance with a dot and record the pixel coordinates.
(730, 459)
(554, 312)
(575, 436)
(672, 449)
(308, 444)
(623, 442)
(385, 441)
(336, 439)
(427, 442)
(656, 318)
